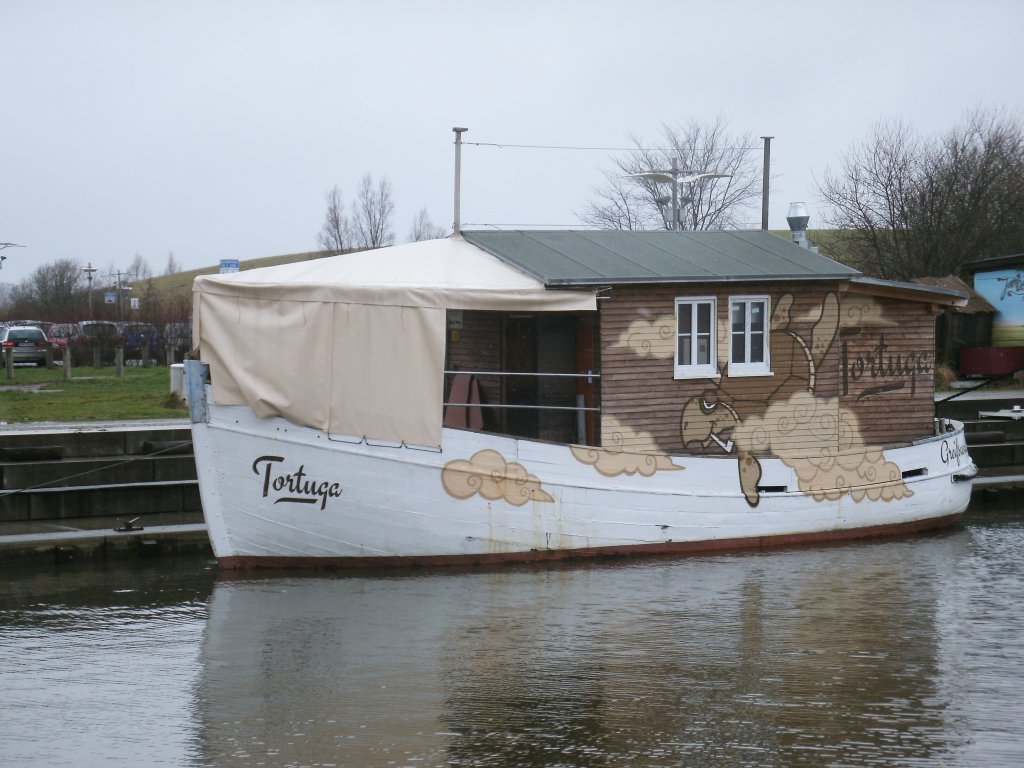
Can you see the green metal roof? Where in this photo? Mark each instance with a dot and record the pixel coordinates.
(609, 257)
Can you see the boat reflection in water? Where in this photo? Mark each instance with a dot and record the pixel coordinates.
(803, 656)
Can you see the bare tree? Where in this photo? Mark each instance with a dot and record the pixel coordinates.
(172, 267)
(628, 201)
(335, 234)
(423, 228)
(869, 199)
(623, 203)
(372, 212)
(139, 269)
(911, 207)
(53, 292)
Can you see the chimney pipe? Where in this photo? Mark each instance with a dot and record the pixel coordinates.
(797, 217)
(457, 225)
(765, 176)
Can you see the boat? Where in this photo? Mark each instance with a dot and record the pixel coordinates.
(534, 395)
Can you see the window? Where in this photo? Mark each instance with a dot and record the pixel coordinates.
(748, 336)
(696, 356)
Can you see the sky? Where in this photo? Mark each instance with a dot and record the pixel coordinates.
(213, 129)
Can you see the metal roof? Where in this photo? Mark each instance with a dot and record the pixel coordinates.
(917, 291)
(996, 262)
(610, 257)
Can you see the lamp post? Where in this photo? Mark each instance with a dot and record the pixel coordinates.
(120, 286)
(676, 177)
(89, 270)
(4, 246)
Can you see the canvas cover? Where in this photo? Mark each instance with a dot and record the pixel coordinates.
(354, 344)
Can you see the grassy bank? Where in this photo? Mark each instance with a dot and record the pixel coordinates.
(94, 394)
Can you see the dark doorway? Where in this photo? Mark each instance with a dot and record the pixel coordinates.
(541, 344)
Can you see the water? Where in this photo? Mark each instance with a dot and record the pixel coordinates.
(901, 652)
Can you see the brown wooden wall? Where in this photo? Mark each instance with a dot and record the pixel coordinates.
(886, 370)
(832, 354)
(477, 347)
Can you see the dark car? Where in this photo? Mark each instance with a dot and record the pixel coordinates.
(28, 343)
(137, 338)
(94, 337)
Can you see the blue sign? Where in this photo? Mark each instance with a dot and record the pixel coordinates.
(1004, 289)
(228, 265)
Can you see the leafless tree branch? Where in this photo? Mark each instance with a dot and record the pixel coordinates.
(631, 202)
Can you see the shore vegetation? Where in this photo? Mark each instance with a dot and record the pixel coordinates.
(93, 394)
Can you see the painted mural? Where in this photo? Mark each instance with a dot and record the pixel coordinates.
(788, 414)
(1004, 290)
(641, 457)
(488, 473)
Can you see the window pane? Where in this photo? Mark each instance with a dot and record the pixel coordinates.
(757, 347)
(738, 350)
(703, 350)
(738, 317)
(757, 316)
(685, 318)
(704, 317)
(684, 350)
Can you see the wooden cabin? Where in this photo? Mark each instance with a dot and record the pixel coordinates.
(960, 327)
(702, 341)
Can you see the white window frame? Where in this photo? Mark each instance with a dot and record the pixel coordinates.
(748, 368)
(692, 370)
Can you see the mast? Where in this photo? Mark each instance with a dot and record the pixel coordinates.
(457, 226)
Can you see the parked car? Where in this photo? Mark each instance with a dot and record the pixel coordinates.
(138, 336)
(178, 336)
(27, 341)
(61, 334)
(94, 334)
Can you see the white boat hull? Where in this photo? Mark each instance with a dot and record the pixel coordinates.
(275, 494)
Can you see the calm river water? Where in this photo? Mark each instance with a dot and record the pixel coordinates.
(889, 653)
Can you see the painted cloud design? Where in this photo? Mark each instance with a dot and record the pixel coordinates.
(832, 459)
(488, 474)
(650, 338)
(642, 456)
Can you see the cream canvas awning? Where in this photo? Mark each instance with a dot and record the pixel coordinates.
(355, 344)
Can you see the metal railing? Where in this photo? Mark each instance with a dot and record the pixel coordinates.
(589, 376)
(579, 409)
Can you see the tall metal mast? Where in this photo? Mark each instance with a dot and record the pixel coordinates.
(457, 226)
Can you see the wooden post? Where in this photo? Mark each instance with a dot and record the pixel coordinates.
(49, 354)
(169, 351)
(9, 361)
(119, 360)
(145, 354)
(67, 363)
(95, 354)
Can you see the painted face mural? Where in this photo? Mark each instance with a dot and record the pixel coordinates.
(781, 415)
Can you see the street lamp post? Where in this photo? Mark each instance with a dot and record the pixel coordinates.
(676, 177)
(4, 246)
(89, 271)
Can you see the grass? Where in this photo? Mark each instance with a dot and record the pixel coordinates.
(178, 286)
(93, 394)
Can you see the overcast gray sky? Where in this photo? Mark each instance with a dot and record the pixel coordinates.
(213, 129)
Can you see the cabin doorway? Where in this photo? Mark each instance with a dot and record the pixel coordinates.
(493, 347)
(544, 344)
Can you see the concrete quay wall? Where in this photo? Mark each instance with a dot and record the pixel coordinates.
(996, 444)
(119, 489)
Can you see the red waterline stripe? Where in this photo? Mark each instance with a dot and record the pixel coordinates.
(251, 562)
